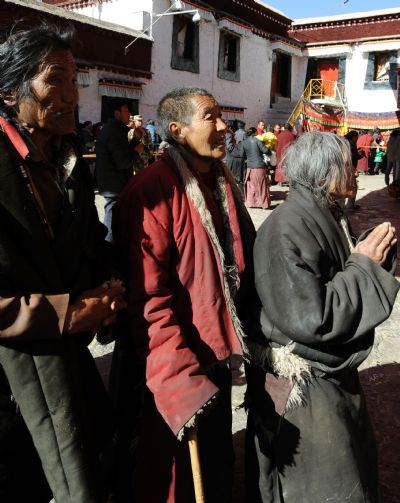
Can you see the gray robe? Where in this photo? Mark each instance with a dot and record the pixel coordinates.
(309, 439)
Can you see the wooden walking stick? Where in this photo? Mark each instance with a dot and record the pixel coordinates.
(196, 467)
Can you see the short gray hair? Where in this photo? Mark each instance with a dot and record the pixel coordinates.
(176, 106)
(318, 162)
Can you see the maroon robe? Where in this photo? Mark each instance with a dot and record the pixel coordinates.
(285, 138)
(364, 142)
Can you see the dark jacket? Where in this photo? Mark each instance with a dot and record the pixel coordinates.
(234, 157)
(253, 150)
(115, 157)
(309, 435)
(325, 300)
(56, 389)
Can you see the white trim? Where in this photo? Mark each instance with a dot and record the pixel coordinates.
(353, 15)
(225, 24)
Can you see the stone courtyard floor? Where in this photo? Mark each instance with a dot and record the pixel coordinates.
(380, 374)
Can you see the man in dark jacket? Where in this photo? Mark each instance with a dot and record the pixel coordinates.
(55, 421)
(115, 158)
(322, 294)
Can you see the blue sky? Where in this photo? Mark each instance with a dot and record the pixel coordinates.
(296, 9)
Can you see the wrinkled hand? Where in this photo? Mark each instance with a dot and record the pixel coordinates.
(95, 308)
(378, 243)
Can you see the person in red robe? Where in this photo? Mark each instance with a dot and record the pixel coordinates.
(364, 142)
(185, 242)
(285, 138)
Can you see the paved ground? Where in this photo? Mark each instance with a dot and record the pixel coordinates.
(380, 373)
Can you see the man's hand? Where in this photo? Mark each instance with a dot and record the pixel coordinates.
(378, 243)
(95, 308)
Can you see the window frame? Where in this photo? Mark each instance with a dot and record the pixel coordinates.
(224, 73)
(180, 62)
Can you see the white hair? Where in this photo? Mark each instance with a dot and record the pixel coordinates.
(320, 162)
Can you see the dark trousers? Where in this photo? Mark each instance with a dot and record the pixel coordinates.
(22, 478)
(163, 470)
(321, 450)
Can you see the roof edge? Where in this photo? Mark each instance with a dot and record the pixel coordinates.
(72, 16)
(343, 17)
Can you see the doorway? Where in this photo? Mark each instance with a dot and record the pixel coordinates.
(281, 76)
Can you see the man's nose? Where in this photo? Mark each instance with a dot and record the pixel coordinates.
(221, 125)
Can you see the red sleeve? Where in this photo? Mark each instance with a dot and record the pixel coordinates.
(173, 371)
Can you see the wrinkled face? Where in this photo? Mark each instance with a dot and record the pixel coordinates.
(205, 135)
(54, 95)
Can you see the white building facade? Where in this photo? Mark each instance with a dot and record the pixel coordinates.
(229, 59)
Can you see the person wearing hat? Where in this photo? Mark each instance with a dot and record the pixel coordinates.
(141, 135)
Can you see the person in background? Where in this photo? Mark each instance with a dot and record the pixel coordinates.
(140, 134)
(115, 159)
(234, 155)
(277, 130)
(240, 133)
(379, 158)
(377, 135)
(185, 240)
(322, 294)
(270, 141)
(260, 127)
(56, 290)
(393, 157)
(256, 190)
(356, 154)
(364, 142)
(151, 128)
(85, 137)
(285, 138)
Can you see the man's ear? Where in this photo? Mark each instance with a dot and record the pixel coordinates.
(9, 99)
(175, 130)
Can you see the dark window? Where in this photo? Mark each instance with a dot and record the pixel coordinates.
(381, 71)
(229, 57)
(185, 45)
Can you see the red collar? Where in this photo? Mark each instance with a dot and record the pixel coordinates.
(15, 138)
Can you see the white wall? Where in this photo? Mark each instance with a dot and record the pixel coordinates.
(122, 12)
(365, 100)
(299, 72)
(252, 92)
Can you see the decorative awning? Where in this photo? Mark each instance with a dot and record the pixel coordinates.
(234, 26)
(231, 113)
(120, 89)
(83, 76)
(205, 13)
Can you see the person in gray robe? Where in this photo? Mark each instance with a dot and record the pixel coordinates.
(322, 293)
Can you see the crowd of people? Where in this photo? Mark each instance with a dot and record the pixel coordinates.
(184, 283)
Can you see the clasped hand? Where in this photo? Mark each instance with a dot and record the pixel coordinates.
(95, 308)
(378, 243)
